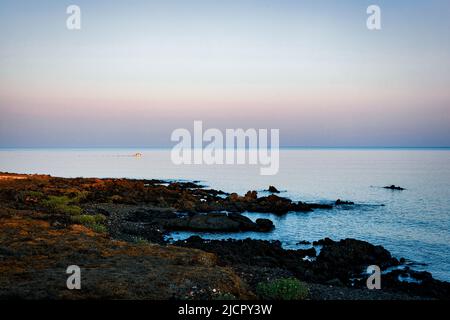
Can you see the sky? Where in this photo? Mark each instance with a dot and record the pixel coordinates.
(137, 70)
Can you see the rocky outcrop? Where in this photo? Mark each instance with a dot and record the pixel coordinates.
(270, 204)
(35, 255)
(394, 187)
(217, 222)
(340, 202)
(124, 237)
(184, 197)
(348, 258)
(339, 264)
(272, 189)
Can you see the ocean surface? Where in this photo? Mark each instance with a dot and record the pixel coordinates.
(414, 223)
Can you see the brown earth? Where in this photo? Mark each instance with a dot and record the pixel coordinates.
(35, 255)
(37, 245)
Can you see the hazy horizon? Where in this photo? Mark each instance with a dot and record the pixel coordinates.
(446, 148)
(138, 70)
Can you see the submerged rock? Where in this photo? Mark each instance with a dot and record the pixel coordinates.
(341, 202)
(272, 189)
(394, 187)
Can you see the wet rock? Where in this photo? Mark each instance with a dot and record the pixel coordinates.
(272, 189)
(244, 222)
(349, 257)
(184, 185)
(251, 195)
(323, 242)
(342, 202)
(248, 252)
(265, 224)
(394, 187)
(218, 222)
(234, 197)
(418, 283)
(311, 252)
(270, 204)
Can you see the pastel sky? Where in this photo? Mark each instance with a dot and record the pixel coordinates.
(137, 70)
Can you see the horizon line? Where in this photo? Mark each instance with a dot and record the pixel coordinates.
(281, 147)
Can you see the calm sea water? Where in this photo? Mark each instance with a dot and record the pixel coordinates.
(414, 223)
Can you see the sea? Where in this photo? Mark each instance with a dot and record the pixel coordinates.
(413, 223)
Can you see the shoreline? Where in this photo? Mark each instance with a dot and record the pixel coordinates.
(99, 215)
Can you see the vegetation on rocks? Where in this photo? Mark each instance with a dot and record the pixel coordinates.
(62, 204)
(282, 289)
(116, 230)
(95, 222)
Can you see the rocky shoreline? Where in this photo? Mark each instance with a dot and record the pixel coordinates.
(116, 230)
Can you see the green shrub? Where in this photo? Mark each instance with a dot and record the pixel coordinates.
(61, 204)
(282, 289)
(79, 196)
(83, 219)
(36, 194)
(86, 219)
(56, 201)
(71, 210)
(99, 228)
(95, 222)
(30, 196)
